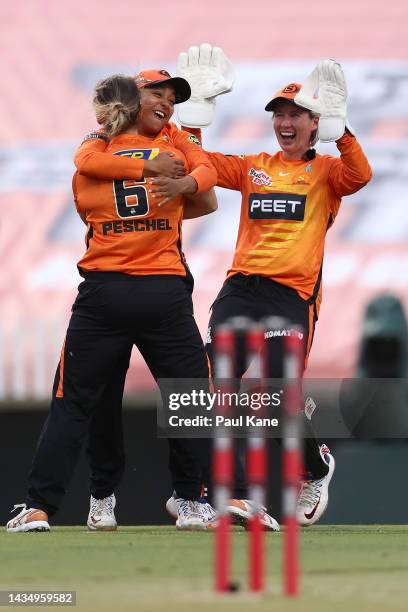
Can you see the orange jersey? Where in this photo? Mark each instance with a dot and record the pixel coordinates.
(127, 231)
(90, 158)
(287, 207)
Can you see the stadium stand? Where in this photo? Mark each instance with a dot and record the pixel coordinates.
(49, 73)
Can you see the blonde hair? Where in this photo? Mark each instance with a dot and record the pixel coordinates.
(116, 103)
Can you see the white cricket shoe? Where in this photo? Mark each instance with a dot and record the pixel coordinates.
(29, 519)
(241, 511)
(101, 515)
(191, 515)
(314, 494)
(172, 506)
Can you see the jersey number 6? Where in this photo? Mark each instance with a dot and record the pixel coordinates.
(131, 199)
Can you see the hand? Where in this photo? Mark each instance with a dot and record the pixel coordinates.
(165, 164)
(169, 188)
(210, 74)
(331, 104)
(208, 71)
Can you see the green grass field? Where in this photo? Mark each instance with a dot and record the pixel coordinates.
(347, 568)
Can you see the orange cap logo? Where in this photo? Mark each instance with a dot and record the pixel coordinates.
(292, 88)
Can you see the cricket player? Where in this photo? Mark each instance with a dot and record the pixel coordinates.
(137, 285)
(289, 200)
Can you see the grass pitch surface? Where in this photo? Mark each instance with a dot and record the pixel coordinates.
(345, 568)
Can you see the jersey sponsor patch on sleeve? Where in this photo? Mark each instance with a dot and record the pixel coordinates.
(95, 136)
(194, 139)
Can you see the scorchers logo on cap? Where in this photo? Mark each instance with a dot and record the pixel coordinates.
(292, 88)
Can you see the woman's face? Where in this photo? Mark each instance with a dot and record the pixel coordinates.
(293, 128)
(156, 109)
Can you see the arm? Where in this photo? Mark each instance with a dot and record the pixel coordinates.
(352, 171)
(92, 160)
(200, 204)
(201, 168)
(201, 178)
(230, 168)
(81, 213)
(231, 171)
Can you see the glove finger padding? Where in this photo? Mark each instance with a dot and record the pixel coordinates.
(324, 92)
(205, 54)
(217, 56)
(182, 63)
(193, 56)
(225, 70)
(333, 99)
(210, 74)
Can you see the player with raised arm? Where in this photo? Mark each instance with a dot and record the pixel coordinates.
(137, 285)
(277, 265)
(285, 214)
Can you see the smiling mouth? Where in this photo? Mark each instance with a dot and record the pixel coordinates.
(159, 114)
(287, 135)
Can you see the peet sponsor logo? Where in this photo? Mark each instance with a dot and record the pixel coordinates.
(135, 225)
(289, 206)
(259, 177)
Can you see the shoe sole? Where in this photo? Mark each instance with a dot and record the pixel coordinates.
(192, 527)
(36, 526)
(108, 528)
(242, 519)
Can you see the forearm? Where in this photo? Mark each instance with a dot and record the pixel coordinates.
(201, 168)
(352, 171)
(107, 166)
(188, 185)
(200, 205)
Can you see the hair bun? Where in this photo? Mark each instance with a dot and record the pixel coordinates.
(117, 106)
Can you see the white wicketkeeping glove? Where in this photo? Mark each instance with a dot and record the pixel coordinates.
(308, 96)
(325, 93)
(210, 74)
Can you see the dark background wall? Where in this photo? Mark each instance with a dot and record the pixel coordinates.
(369, 485)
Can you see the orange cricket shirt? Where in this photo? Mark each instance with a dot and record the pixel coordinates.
(127, 231)
(286, 209)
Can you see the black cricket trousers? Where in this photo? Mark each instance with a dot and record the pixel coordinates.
(254, 297)
(258, 298)
(111, 313)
